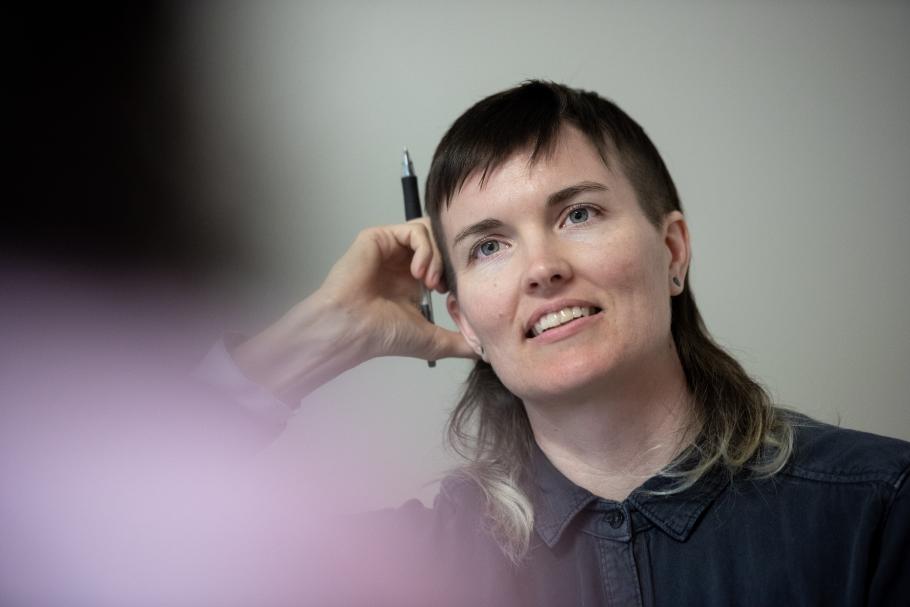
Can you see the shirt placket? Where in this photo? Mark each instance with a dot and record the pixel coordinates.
(610, 527)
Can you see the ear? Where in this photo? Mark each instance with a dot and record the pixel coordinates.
(676, 239)
(464, 326)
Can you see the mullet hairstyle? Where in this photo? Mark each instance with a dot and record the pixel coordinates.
(740, 429)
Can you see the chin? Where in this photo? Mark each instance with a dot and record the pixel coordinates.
(560, 383)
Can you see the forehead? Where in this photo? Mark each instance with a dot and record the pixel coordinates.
(519, 184)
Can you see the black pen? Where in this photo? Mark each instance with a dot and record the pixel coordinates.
(412, 211)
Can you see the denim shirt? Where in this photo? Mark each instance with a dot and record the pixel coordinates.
(832, 528)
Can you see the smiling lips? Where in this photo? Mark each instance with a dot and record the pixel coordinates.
(560, 317)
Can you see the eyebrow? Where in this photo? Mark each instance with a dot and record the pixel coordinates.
(553, 199)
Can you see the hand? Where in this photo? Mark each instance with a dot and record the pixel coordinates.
(377, 283)
(368, 306)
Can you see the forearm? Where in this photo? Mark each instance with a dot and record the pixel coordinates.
(365, 308)
(313, 343)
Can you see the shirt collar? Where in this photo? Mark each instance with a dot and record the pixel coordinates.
(557, 500)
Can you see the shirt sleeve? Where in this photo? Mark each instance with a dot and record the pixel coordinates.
(219, 371)
(891, 577)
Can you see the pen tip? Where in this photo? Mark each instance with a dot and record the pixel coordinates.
(407, 168)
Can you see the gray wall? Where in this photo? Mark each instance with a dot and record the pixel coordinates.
(785, 125)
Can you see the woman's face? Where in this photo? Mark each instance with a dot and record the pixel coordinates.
(565, 236)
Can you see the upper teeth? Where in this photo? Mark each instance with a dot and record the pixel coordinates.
(554, 319)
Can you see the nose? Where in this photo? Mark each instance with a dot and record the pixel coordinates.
(547, 271)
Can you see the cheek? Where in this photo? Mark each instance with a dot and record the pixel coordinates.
(623, 271)
(620, 267)
(486, 306)
(489, 292)
(634, 279)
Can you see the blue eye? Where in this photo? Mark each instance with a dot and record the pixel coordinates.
(579, 215)
(487, 248)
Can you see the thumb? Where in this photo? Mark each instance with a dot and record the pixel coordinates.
(451, 344)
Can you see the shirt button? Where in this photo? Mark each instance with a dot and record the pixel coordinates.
(615, 518)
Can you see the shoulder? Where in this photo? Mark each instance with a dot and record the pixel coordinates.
(459, 494)
(828, 453)
(412, 554)
(459, 486)
(459, 503)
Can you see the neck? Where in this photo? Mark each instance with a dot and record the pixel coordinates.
(612, 439)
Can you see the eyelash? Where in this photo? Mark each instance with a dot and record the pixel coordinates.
(592, 210)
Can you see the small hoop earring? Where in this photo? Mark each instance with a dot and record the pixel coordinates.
(676, 281)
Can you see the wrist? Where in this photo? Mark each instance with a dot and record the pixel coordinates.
(314, 342)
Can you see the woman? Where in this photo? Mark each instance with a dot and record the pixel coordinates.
(615, 454)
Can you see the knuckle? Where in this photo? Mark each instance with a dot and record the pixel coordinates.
(419, 223)
(369, 233)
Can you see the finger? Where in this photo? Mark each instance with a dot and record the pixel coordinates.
(379, 245)
(415, 236)
(420, 263)
(434, 277)
(437, 266)
(434, 274)
(441, 285)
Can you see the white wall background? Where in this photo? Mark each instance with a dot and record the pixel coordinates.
(785, 125)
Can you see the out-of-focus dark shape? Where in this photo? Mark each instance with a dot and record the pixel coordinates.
(103, 158)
